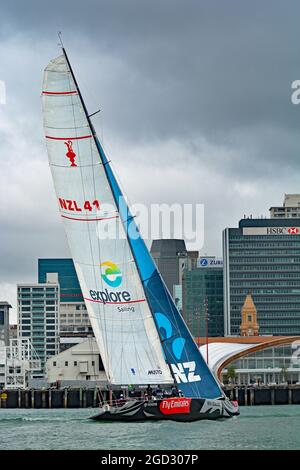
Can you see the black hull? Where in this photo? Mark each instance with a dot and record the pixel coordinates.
(177, 409)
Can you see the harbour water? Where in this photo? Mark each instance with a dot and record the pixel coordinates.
(258, 427)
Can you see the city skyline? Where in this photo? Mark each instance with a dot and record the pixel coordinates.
(209, 113)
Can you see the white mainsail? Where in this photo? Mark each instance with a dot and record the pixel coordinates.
(122, 322)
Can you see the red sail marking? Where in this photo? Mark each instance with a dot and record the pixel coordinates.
(70, 153)
(171, 406)
(115, 303)
(70, 295)
(74, 92)
(89, 220)
(68, 138)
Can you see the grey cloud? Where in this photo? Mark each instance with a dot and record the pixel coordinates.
(207, 67)
(195, 107)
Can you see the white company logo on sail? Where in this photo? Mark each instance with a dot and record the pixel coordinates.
(180, 374)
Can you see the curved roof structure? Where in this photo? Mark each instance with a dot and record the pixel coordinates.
(225, 350)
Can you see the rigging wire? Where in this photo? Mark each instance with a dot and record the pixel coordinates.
(100, 257)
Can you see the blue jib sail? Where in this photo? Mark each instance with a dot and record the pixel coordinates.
(187, 365)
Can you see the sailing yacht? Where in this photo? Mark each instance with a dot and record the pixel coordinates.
(142, 337)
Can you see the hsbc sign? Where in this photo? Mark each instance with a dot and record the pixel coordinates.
(282, 230)
(271, 231)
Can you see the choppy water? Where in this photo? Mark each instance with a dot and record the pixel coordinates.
(263, 427)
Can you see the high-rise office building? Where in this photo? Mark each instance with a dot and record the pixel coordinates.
(74, 323)
(290, 208)
(203, 297)
(262, 258)
(64, 267)
(170, 258)
(4, 323)
(38, 314)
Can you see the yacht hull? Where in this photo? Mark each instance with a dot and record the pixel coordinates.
(174, 409)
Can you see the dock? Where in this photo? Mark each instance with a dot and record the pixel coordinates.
(91, 398)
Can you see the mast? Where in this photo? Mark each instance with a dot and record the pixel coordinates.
(105, 163)
(80, 96)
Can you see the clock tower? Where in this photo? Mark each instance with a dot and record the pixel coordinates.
(249, 325)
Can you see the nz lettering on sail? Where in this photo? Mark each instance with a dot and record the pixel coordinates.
(185, 372)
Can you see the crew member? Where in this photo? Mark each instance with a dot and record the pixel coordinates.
(149, 392)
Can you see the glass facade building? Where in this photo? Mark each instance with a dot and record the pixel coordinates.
(201, 286)
(69, 285)
(74, 323)
(38, 319)
(275, 365)
(262, 258)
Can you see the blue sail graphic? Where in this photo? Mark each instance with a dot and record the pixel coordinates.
(188, 367)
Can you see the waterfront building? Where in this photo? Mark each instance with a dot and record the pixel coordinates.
(271, 366)
(78, 365)
(249, 325)
(250, 360)
(13, 331)
(38, 317)
(18, 362)
(290, 208)
(203, 297)
(4, 323)
(74, 323)
(262, 257)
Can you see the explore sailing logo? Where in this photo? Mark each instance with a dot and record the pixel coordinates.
(112, 275)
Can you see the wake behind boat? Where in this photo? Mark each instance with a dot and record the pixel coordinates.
(141, 335)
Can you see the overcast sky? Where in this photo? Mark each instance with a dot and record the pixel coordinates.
(196, 107)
